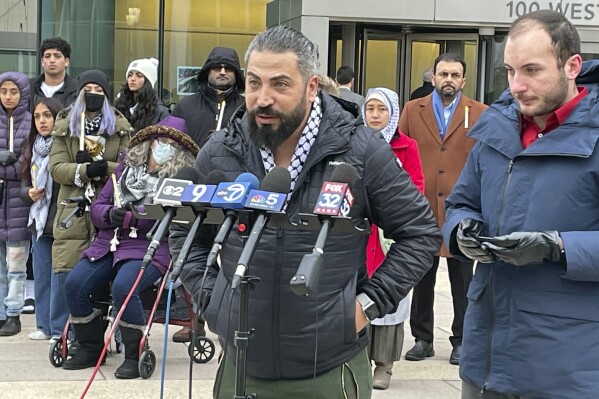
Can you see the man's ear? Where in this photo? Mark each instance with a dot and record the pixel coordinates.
(573, 67)
(312, 88)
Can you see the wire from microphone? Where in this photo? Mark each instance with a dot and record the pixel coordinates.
(278, 180)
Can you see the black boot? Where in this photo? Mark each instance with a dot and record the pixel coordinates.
(12, 326)
(91, 341)
(130, 368)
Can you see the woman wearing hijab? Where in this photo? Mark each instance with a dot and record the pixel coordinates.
(103, 132)
(39, 191)
(137, 99)
(116, 254)
(381, 112)
(15, 123)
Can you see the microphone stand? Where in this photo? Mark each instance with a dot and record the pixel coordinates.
(243, 333)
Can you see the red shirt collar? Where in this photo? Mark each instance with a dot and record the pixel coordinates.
(558, 116)
(531, 131)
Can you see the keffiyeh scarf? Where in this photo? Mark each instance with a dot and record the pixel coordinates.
(135, 184)
(303, 147)
(92, 127)
(40, 177)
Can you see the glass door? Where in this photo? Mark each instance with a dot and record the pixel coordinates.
(422, 49)
(381, 60)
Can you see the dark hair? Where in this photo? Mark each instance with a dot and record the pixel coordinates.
(58, 43)
(344, 75)
(54, 106)
(564, 36)
(281, 39)
(449, 57)
(147, 103)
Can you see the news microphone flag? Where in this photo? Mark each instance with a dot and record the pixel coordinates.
(335, 199)
(230, 195)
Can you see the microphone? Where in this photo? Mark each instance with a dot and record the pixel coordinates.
(230, 215)
(197, 196)
(271, 197)
(169, 195)
(335, 199)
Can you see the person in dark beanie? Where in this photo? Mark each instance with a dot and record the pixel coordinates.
(116, 254)
(137, 99)
(83, 172)
(220, 84)
(55, 82)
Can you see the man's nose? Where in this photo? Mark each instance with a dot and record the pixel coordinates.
(265, 97)
(517, 84)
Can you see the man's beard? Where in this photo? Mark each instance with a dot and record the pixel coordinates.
(268, 137)
(221, 84)
(550, 101)
(447, 94)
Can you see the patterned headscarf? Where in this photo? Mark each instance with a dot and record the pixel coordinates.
(390, 99)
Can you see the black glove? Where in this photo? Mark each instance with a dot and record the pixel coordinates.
(7, 157)
(117, 216)
(83, 157)
(523, 248)
(97, 169)
(467, 240)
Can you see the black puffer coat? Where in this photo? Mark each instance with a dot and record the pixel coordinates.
(201, 110)
(286, 324)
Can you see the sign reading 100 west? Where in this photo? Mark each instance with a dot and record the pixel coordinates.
(574, 11)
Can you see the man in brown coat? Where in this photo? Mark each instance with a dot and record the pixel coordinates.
(439, 123)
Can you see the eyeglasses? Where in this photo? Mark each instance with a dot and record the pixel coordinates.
(218, 68)
(45, 115)
(12, 92)
(172, 143)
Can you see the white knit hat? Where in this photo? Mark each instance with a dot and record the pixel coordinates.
(147, 66)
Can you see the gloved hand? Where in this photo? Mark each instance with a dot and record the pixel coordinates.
(117, 216)
(83, 157)
(523, 248)
(7, 157)
(97, 169)
(467, 240)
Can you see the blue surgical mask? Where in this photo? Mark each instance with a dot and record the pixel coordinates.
(163, 153)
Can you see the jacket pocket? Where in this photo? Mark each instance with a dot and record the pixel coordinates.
(554, 334)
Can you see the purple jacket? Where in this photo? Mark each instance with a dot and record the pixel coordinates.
(128, 248)
(14, 213)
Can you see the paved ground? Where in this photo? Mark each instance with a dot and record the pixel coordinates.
(26, 373)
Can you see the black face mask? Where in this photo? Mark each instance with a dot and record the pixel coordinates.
(93, 102)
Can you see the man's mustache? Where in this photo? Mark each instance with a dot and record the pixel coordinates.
(266, 111)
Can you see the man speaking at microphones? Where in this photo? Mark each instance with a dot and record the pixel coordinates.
(306, 346)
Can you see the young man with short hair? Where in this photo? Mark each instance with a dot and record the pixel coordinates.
(55, 54)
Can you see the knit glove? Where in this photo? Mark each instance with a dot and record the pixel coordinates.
(7, 157)
(523, 248)
(83, 157)
(97, 169)
(467, 239)
(117, 216)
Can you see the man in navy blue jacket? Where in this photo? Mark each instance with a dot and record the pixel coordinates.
(526, 208)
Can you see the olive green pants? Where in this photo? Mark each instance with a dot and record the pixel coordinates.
(351, 380)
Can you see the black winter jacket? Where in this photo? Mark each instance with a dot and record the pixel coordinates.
(67, 94)
(286, 324)
(201, 110)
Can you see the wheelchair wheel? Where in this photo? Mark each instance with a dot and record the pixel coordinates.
(55, 355)
(147, 364)
(202, 351)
